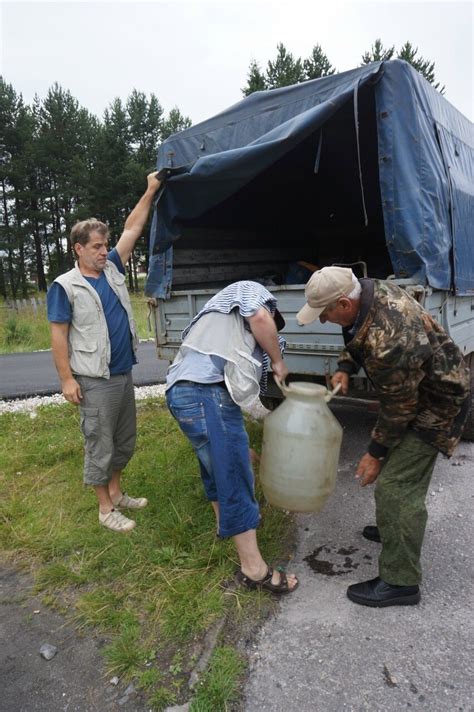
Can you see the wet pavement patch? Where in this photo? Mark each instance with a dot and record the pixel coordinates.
(346, 552)
(338, 563)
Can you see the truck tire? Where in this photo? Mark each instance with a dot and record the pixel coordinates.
(468, 432)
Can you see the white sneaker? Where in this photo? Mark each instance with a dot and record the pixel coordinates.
(126, 502)
(116, 521)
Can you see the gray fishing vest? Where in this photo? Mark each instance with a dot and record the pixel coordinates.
(89, 343)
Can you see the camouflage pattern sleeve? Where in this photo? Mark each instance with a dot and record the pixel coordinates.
(346, 363)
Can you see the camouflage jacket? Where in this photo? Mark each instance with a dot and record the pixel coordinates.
(416, 369)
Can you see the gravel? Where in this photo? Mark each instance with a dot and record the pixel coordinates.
(30, 405)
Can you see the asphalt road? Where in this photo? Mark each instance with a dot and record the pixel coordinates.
(31, 374)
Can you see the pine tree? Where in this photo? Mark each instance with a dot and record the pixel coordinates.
(285, 70)
(317, 64)
(256, 80)
(62, 151)
(409, 54)
(174, 123)
(423, 66)
(17, 251)
(145, 131)
(110, 179)
(378, 53)
(145, 126)
(9, 106)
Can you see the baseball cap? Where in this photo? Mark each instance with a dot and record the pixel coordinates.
(324, 287)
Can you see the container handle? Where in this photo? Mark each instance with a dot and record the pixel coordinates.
(331, 394)
(281, 385)
(287, 389)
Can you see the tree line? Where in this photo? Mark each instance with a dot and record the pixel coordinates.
(59, 163)
(286, 69)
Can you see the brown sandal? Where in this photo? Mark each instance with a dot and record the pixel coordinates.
(266, 582)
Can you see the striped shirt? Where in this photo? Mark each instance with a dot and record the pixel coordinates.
(248, 297)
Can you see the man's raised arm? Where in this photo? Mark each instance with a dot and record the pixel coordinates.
(135, 222)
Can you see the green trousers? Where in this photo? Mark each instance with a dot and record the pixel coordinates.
(400, 494)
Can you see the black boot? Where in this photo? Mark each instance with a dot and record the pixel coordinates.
(378, 594)
(371, 533)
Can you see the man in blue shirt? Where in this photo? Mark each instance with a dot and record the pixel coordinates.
(94, 343)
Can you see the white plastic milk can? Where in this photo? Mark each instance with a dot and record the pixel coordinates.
(300, 453)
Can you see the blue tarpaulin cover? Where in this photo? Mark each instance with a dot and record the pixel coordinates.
(426, 168)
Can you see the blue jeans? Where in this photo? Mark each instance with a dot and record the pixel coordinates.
(214, 425)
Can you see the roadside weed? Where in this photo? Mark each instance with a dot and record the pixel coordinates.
(162, 698)
(23, 330)
(220, 684)
(17, 332)
(125, 654)
(149, 679)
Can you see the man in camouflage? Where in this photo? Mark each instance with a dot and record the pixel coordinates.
(422, 384)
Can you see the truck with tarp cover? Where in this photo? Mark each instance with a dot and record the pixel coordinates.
(370, 168)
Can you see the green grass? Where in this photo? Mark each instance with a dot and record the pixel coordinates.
(28, 329)
(23, 330)
(141, 313)
(153, 592)
(220, 685)
(126, 655)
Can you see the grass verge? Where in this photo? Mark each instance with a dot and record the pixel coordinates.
(155, 592)
(28, 329)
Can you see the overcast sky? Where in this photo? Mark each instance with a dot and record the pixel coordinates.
(195, 54)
